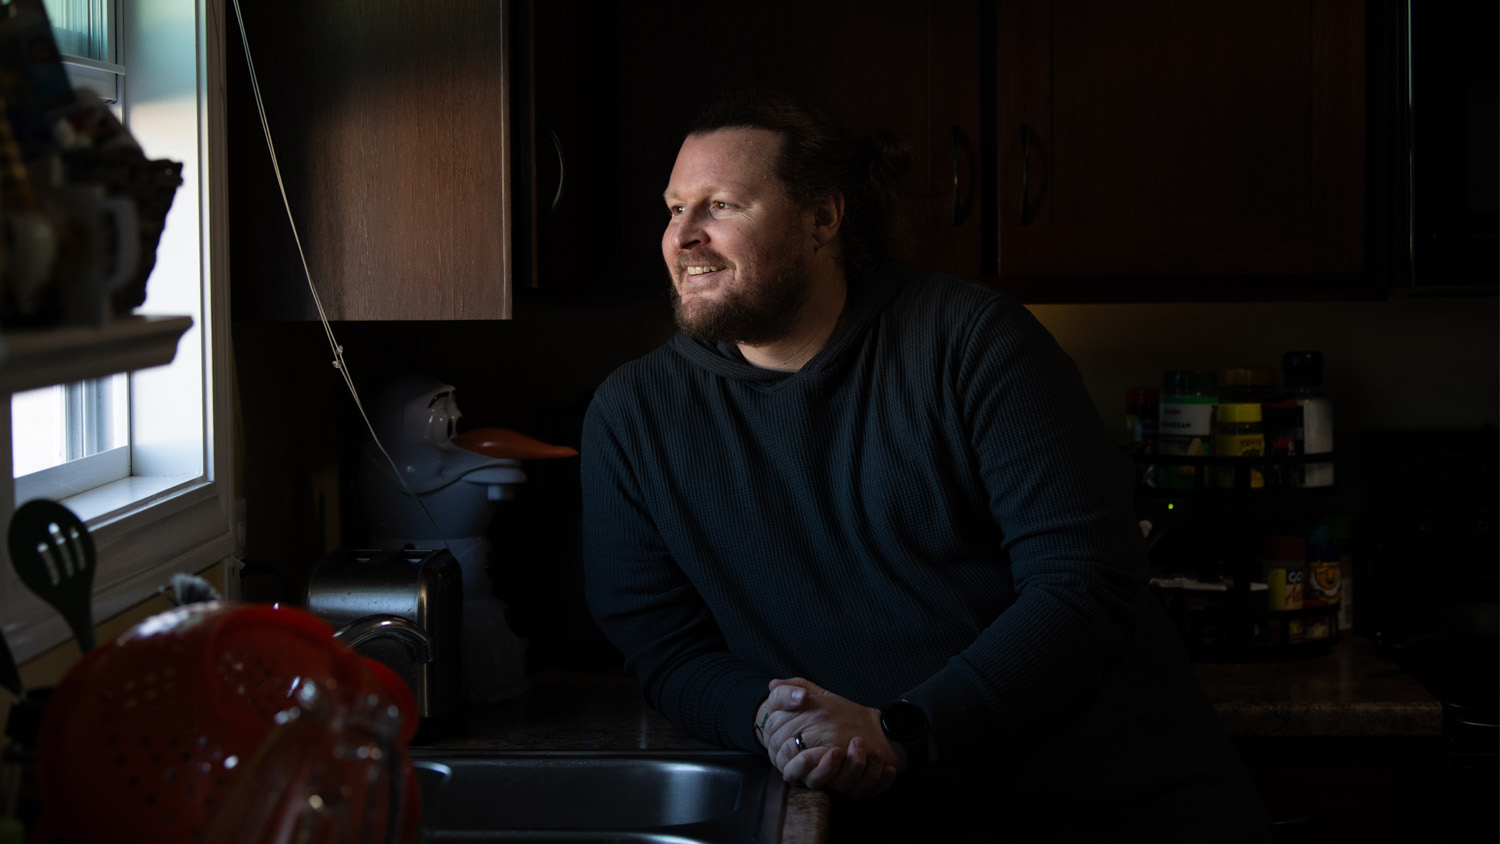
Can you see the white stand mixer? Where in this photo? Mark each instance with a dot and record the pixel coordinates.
(444, 497)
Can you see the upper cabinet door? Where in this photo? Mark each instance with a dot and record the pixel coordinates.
(391, 125)
(1178, 148)
(616, 83)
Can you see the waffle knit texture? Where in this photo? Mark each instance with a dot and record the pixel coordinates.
(930, 508)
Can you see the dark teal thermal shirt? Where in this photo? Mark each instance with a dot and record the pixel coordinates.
(931, 508)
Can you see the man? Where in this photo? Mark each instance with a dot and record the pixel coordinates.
(872, 525)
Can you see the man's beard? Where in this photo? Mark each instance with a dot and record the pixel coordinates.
(756, 312)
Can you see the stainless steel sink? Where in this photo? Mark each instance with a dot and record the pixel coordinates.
(635, 796)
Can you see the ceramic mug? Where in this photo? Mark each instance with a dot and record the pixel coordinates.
(105, 231)
(30, 251)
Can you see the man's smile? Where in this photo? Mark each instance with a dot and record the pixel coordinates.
(703, 269)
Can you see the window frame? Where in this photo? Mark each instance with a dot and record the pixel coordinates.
(103, 74)
(147, 527)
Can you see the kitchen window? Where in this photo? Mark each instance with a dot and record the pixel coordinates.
(70, 437)
(144, 458)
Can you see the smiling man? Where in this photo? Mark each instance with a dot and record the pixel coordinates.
(750, 265)
(870, 524)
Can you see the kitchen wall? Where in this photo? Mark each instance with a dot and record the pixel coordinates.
(1404, 363)
(1408, 362)
(48, 668)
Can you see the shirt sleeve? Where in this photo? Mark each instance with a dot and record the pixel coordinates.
(1061, 495)
(650, 610)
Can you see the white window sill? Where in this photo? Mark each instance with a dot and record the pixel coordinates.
(126, 496)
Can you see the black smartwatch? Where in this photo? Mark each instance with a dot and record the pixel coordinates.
(904, 723)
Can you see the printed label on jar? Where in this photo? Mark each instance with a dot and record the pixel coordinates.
(1239, 445)
(1319, 627)
(1185, 428)
(1322, 587)
(1285, 588)
(1185, 421)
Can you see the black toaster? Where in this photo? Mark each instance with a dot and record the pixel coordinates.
(404, 608)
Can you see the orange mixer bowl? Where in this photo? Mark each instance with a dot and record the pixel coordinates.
(144, 736)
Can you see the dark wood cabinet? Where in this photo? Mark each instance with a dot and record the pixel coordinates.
(614, 85)
(439, 156)
(391, 124)
(1179, 149)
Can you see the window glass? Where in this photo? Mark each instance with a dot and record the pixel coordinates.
(53, 425)
(82, 28)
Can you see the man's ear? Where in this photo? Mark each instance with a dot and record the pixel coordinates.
(828, 216)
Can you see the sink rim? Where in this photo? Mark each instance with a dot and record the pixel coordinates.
(757, 817)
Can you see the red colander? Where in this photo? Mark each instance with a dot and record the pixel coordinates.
(145, 735)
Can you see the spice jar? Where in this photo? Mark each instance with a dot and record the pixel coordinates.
(1238, 433)
(1185, 425)
(1141, 415)
(1303, 376)
(1240, 384)
(1284, 557)
(1322, 589)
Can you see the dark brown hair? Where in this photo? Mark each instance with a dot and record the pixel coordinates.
(818, 160)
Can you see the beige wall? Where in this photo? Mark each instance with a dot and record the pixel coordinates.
(1409, 362)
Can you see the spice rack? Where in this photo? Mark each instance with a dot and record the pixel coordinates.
(1205, 553)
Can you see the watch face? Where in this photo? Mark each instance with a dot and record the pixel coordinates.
(904, 720)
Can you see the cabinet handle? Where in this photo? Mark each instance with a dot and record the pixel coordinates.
(960, 211)
(562, 169)
(1025, 174)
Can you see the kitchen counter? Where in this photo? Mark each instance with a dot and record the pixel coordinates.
(567, 711)
(1350, 691)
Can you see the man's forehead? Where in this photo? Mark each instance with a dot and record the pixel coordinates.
(725, 159)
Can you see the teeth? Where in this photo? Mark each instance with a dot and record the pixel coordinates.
(702, 270)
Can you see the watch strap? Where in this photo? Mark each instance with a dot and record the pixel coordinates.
(905, 723)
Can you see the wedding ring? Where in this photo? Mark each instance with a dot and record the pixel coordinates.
(797, 740)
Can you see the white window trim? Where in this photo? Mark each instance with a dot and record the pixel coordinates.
(81, 475)
(147, 528)
(102, 77)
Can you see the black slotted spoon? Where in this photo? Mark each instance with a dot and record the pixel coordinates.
(53, 555)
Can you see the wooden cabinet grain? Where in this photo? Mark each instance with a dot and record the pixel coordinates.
(390, 120)
(1180, 149)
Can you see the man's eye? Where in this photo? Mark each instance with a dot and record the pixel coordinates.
(674, 210)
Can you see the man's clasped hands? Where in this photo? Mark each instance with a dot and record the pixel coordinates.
(825, 741)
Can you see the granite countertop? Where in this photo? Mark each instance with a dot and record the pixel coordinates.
(1349, 691)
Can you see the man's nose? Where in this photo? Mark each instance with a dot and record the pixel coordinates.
(687, 230)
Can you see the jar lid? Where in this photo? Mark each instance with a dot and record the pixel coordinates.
(1237, 412)
(1249, 376)
(1186, 381)
(1281, 547)
(1302, 369)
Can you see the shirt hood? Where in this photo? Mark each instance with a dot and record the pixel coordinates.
(867, 298)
